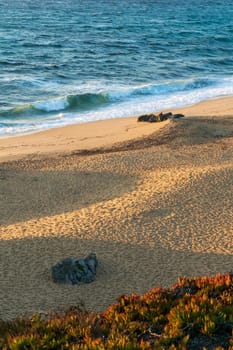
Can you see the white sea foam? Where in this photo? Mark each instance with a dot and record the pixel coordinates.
(50, 106)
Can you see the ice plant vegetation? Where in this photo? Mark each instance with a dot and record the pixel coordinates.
(196, 313)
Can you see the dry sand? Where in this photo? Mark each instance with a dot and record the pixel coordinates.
(153, 201)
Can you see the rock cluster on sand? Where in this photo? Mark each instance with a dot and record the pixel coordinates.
(75, 271)
(153, 118)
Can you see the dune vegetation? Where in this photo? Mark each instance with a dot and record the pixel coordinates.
(196, 313)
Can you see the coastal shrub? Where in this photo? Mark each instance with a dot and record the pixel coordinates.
(196, 313)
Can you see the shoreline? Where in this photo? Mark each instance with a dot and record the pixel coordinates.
(100, 133)
(157, 207)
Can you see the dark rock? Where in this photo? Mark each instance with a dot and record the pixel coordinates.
(165, 116)
(75, 271)
(178, 115)
(153, 118)
(145, 117)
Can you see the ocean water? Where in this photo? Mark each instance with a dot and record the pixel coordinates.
(74, 61)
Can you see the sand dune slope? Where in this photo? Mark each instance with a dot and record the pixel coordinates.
(152, 209)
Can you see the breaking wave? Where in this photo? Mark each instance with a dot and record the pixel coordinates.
(111, 102)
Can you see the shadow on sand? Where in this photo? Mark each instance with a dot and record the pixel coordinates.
(33, 194)
(27, 287)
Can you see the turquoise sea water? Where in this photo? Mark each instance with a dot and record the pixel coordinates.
(73, 61)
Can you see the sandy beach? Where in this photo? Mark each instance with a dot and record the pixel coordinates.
(153, 201)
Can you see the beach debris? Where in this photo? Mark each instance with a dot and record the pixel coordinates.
(153, 118)
(75, 271)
